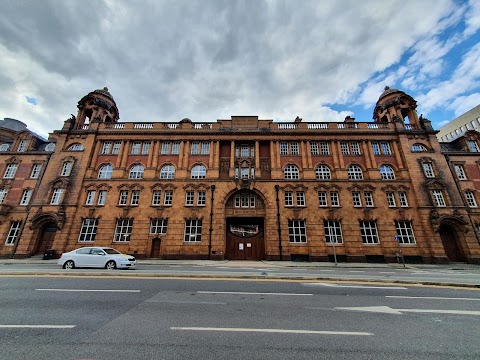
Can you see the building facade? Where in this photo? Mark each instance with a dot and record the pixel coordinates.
(240, 188)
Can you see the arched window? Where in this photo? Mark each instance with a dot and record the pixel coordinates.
(4, 147)
(419, 148)
(136, 172)
(51, 146)
(355, 172)
(198, 172)
(105, 171)
(76, 147)
(291, 172)
(167, 172)
(387, 172)
(323, 172)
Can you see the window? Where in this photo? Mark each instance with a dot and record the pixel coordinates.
(333, 232)
(205, 148)
(158, 226)
(438, 198)
(75, 147)
(469, 195)
(88, 230)
(175, 148)
(23, 146)
(386, 148)
(294, 149)
(300, 198)
(322, 198)
(288, 198)
(90, 197)
(136, 148)
(3, 195)
(345, 148)
(193, 230)
(145, 148)
(314, 148)
(369, 233)
(56, 197)
(402, 196)
(291, 172)
(391, 199)
(382, 148)
(198, 172)
(201, 198)
(36, 168)
(195, 149)
(404, 232)
(283, 148)
(419, 148)
(428, 170)
(122, 200)
(102, 197)
(322, 172)
(460, 172)
(244, 150)
(168, 198)
(334, 198)
(472, 146)
(245, 200)
(297, 231)
(135, 197)
(375, 149)
(10, 171)
(13, 232)
(167, 172)
(26, 195)
(357, 200)
(355, 148)
(116, 148)
(324, 148)
(189, 198)
(67, 168)
(355, 172)
(156, 197)
(123, 230)
(387, 173)
(136, 172)
(368, 198)
(106, 147)
(165, 150)
(4, 147)
(289, 148)
(105, 171)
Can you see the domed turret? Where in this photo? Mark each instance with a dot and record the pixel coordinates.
(98, 106)
(395, 105)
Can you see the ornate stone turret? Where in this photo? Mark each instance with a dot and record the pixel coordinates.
(396, 106)
(98, 106)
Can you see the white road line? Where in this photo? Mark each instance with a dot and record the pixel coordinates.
(188, 302)
(389, 310)
(282, 331)
(431, 297)
(356, 286)
(90, 290)
(356, 271)
(387, 272)
(37, 326)
(250, 293)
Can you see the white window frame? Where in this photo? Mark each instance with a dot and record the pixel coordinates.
(369, 232)
(201, 198)
(391, 199)
(428, 170)
(402, 196)
(291, 172)
(297, 231)
(13, 232)
(189, 197)
(355, 172)
(56, 196)
(405, 233)
(438, 198)
(88, 231)
(288, 198)
(167, 171)
(135, 198)
(123, 230)
(322, 172)
(90, 197)
(23, 146)
(10, 171)
(333, 231)
(167, 198)
(322, 199)
(156, 197)
(300, 197)
(67, 168)
(387, 172)
(334, 198)
(105, 171)
(158, 226)
(460, 171)
(3, 195)
(36, 169)
(26, 195)
(193, 230)
(357, 199)
(123, 198)
(368, 195)
(470, 197)
(102, 197)
(314, 149)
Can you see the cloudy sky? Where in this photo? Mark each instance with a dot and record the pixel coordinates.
(211, 59)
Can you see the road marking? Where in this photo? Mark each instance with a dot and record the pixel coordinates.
(90, 290)
(282, 331)
(356, 271)
(188, 302)
(430, 297)
(389, 310)
(250, 293)
(387, 272)
(356, 286)
(37, 326)
(327, 270)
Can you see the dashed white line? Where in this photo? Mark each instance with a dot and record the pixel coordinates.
(281, 331)
(431, 298)
(90, 290)
(250, 293)
(37, 326)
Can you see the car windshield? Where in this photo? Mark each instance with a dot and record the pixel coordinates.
(111, 251)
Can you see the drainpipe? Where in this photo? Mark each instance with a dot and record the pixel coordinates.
(277, 187)
(212, 187)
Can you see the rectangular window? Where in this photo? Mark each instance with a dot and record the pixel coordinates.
(297, 231)
(288, 198)
(135, 197)
(145, 148)
(168, 198)
(357, 200)
(175, 148)
(470, 199)
(428, 170)
(189, 198)
(405, 232)
(27, 194)
(67, 168)
(123, 230)
(322, 198)
(23, 146)
(165, 148)
(116, 148)
(368, 198)
(345, 148)
(106, 147)
(244, 150)
(245, 199)
(324, 148)
(36, 168)
(156, 197)
(102, 197)
(402, 196)
(334, 198)
(438, 198)
(369, 233)
(314, 148)
(193, 230)
(158, 226)
(294, 149)
(283, 148)
(472, 146)
(386, 148)
(88, 231)
(195, 148)
(136, 147)
(90, 197)
(205, 148)
(56, 197)
(201, 198)
(3, 194)
(333, 232)
(391, 199)
(123, 197)
(460, 172)
(300, 198)
(375, 149)
(10, 171)
(13, 232)
(355, 148)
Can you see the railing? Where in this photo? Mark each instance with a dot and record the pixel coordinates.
(287, 126)
(142, 126)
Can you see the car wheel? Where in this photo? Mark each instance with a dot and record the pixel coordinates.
(69, 264)
(110, 265)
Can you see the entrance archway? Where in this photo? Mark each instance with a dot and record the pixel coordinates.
(245, 239)
(450, 241)
(45, 238)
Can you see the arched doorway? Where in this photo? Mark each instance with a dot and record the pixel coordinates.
(45, 238)
(245, 239)
(155, 253)
(450, 241)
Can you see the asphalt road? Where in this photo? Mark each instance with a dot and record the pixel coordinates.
(83, 318)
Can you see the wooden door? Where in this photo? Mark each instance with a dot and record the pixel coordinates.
(156, 248)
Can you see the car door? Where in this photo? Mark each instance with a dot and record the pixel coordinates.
(97, 257)
(81, 257)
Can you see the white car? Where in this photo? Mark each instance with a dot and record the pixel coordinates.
(102, 257)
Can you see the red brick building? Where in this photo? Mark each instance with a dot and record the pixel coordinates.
(241, 188)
